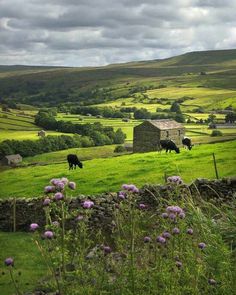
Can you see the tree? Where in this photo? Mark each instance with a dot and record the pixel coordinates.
(142, 114)
(175, 107)
(230, 117)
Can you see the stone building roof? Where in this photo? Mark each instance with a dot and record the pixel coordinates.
(13, 157)
(166, 124)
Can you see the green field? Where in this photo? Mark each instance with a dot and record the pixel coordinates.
(100, 175)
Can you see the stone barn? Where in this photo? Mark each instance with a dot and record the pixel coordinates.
(11, 160)
(147, 135)
(42, 133)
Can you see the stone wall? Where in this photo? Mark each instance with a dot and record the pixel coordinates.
(32, 210)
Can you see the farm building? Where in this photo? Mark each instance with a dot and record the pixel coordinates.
(42, 133)
(147, 135)
(11, 160)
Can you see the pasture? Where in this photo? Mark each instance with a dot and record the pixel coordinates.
(106, 174)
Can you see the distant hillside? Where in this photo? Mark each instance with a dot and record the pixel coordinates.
(50, 86)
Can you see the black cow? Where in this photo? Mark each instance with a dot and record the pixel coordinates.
(73, 161)
(169, 145)
(187, 142)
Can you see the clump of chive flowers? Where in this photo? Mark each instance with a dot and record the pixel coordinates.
(107, 250)
(147, 239)
(9, 261)
(34, 226)
(87, 204)
(161, 240)
(130, 188)
(175, 179)
(201, 245)
(58, 196)
(48, 234)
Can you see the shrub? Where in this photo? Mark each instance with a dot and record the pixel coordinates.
(216, 133)
(119, 149)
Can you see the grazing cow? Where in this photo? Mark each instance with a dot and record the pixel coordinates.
(169, 145)
(187, 142)
(73, 161)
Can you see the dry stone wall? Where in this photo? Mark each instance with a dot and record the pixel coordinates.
(32, 210)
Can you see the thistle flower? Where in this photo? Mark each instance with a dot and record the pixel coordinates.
(202, 245)
(72, 185)
(161, 240)
(48, 234)
(79, 218)
(55, 223)
(176, 231)
(142, 206)
(88, 204)
(166, 235)
(60, 185)
(164, 215)
(46, 202)
(212, 282)
(130, 187)
(172, 216)
(189, 231)
(64, 180)
(147, 239)
(9, 261)
(175, 179)
(54, 181)
(182, 215)
(121, 195)
(107, 249)
(58, 196)
(49, 189)
(34, 226)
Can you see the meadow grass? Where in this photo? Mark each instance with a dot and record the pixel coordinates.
(102, 175)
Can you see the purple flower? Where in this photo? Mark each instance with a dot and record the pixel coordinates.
(175, 179)
(130, 187)
(161, 240)
(212, 282)
(54, 181)
(182, 215)
(79, 218)
(9, 261)
(49, 189)
(125, 186)
(201, 245)
(88, 204)
(64, 180)
(48, 234)
(172, 216)
(107, 249)
(178, 264)
(166, 235)
(174, 209)
(121, 195)
(189, 231)
(164, 215)
(60, 185)
(55, 223)
(176, 231)
(46, 202)
(34, 226)
(72, 185)
(147, 239)
(58, 196)
(142, 206)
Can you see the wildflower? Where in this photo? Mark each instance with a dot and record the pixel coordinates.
(212, 282)
(55, 223)
(88, 204)
(58, 196)
(9, 261)
(201, 245)
(107, 249)
(172, 216)
(142, 206)
(130, 187)
(174, 209)
(79, 218)
(54, 181)
(34, 226)
(147, 239)
(72, 185)
(166, 235)
(182, 215)
(64, 180)
(164, 215)
(60, 185)
(46, 202)
(189, 231)
(49, 189)
(121, 195)
(125, 186)
(176, 231)
(161, 240)
(178, 264)
(175, 179)
(48, 234)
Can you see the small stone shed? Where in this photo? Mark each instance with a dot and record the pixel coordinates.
(11, 160)
(42, 133)
(147, 135)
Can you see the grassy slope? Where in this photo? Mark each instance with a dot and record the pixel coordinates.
(100, 175)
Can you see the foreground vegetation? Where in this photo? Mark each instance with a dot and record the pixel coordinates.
(183, 245)
(100, 175)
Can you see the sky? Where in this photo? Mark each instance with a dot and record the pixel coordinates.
(101, 32)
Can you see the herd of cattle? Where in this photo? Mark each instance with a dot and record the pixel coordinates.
(167, 144)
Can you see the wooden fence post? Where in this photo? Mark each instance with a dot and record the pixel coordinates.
(216, 171)
(14, 215)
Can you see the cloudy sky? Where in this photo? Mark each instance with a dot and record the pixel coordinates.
(100, 32)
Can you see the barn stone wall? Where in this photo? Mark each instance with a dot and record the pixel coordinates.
(31, 210)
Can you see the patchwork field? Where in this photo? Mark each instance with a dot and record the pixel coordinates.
(100, 175)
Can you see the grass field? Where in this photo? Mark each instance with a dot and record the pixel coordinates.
(100, 175)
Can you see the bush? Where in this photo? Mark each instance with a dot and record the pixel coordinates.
(119, 149)
(216, 133)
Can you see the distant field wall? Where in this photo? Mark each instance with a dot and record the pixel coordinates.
(18, 214)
